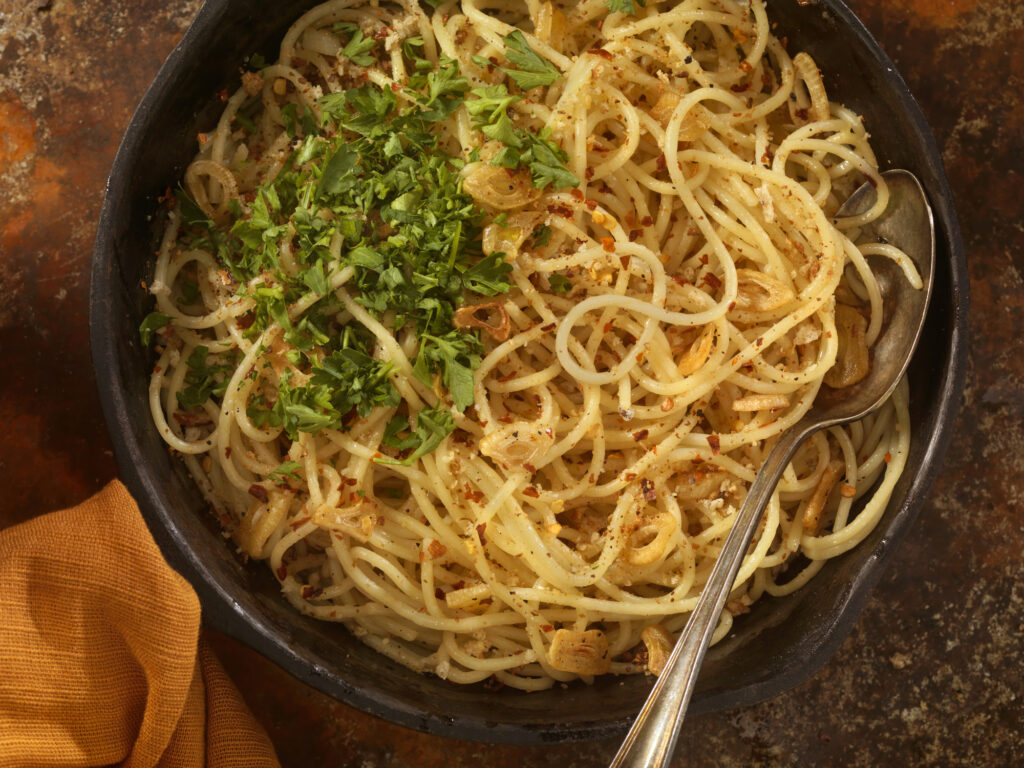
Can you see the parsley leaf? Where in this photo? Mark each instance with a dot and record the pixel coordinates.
(203, 380)
(491, 103)
(533, 70)
(283, 471)
(432, 426)
(358, 46)
(153, 322)
(625, 6)
(559, 283)
(489, 276)
(544, 158)
(456, 355)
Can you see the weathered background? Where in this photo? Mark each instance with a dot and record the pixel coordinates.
(933, 673)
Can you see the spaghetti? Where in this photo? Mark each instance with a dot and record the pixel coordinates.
(475, 323)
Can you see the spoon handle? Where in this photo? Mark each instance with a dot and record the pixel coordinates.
(652, 738)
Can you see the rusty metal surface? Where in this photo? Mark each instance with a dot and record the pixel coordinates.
(933, 673)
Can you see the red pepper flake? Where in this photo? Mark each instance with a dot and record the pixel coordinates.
(474, 496)
(532, 492)
(282, 572)
(641, 435)
(704, 259)
(506, 419)
(801, 114)
(608, 243)
(562, 210)
(590, 203)
(648, 490)
(436, 549)
(716, 444)
(888, 458)
(589, 173)
(731, 307)
(624, 261)
(439, 593)
(546, 628)
(577, 194)
(608, 326)
(635, 234)
(547, 328)
(396, 87)
(601, 52)
(529, 468)
(711, 279)
(629, 477)
(493, 684)
(647, 221)
(759, 342)
(739, 87)
(662, 163)
(309, 592)
(481, 532)
(227, 452)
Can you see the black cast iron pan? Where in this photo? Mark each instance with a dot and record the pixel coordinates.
(775, 647)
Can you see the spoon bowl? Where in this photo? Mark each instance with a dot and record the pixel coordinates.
(908, 223)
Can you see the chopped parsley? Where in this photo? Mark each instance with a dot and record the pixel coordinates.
(625, 6)
(559, 283)
(370, 189)
(523, 148)
(205, 379)
(153, 322)
(532, 70)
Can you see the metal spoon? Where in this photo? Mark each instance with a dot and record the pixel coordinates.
(907, 223)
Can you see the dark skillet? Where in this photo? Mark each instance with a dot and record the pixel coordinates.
(778, 645)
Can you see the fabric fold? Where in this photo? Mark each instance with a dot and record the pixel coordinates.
(101, 661)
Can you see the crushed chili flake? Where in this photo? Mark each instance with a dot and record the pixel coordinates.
(647, 221)
(282, 572)
(532, 492)
(641, 435)
(635, 234)
(577, 194)
(309, 592)
(716, 444)
(648, 490)
(439, 593)
(589, 173)
(629, 477)
(546, 328)
(888, 458)
(608, 243)
(712, 281)
(562, 210)
(436, 549)
(258, 491)
(662, 163)
(590, 203)
(604, 54)
(481, 532)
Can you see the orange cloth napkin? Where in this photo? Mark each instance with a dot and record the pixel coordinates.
(100, 657)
